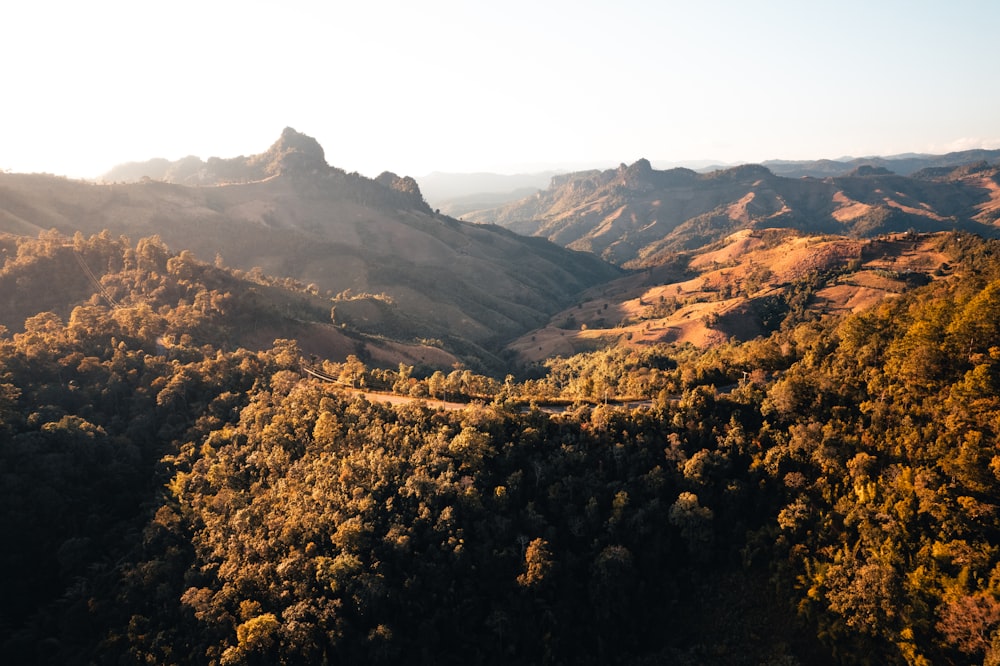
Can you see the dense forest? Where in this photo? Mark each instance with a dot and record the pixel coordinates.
(826, 494)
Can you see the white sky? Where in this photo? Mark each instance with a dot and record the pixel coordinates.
(510, 85)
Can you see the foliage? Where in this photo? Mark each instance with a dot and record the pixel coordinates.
(827, 494)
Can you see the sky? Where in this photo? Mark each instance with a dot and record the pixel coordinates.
(508, 86)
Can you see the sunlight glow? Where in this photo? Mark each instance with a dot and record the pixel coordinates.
(457, 86)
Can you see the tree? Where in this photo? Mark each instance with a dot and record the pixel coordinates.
(694, 521)
(352, 371)
(970, 622)
(436, 384)
(538, 564)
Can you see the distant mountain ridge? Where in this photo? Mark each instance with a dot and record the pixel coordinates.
(636, 215)
(458, 194)
(904, 165)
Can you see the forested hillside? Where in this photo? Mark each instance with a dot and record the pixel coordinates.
(825, 494)
(181, 301)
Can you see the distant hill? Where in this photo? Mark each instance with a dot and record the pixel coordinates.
(637, 216)
(460, 193)
(456, 194)
(442, 186)
(904, 165)
(372, 247)
(461, 206)
(387, 266)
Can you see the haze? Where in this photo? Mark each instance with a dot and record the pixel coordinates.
(506, 87)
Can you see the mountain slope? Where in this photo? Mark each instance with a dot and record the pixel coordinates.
(747, 285)
(177, 301)
(636, 216)
(390, 265)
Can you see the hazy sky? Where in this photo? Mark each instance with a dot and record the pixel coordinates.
(510, 85)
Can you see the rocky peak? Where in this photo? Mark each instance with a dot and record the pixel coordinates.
(638, 176)
(406, 184)
(402, 190)
(640, 167)
(293, 153)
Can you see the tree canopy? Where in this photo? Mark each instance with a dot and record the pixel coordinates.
(827, 494)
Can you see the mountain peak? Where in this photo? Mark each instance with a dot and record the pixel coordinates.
(405, 184)
(638, 176)
(293, 153)
(641, 165)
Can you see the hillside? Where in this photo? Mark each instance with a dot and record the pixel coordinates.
(185, 303)
(371, 247)
(827, 494)
(637, 216)
(744, 286)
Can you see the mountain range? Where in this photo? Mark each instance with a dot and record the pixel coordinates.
(626, 256)
(373, 247)
(636, 216)
(456, 194)
(460, 193)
